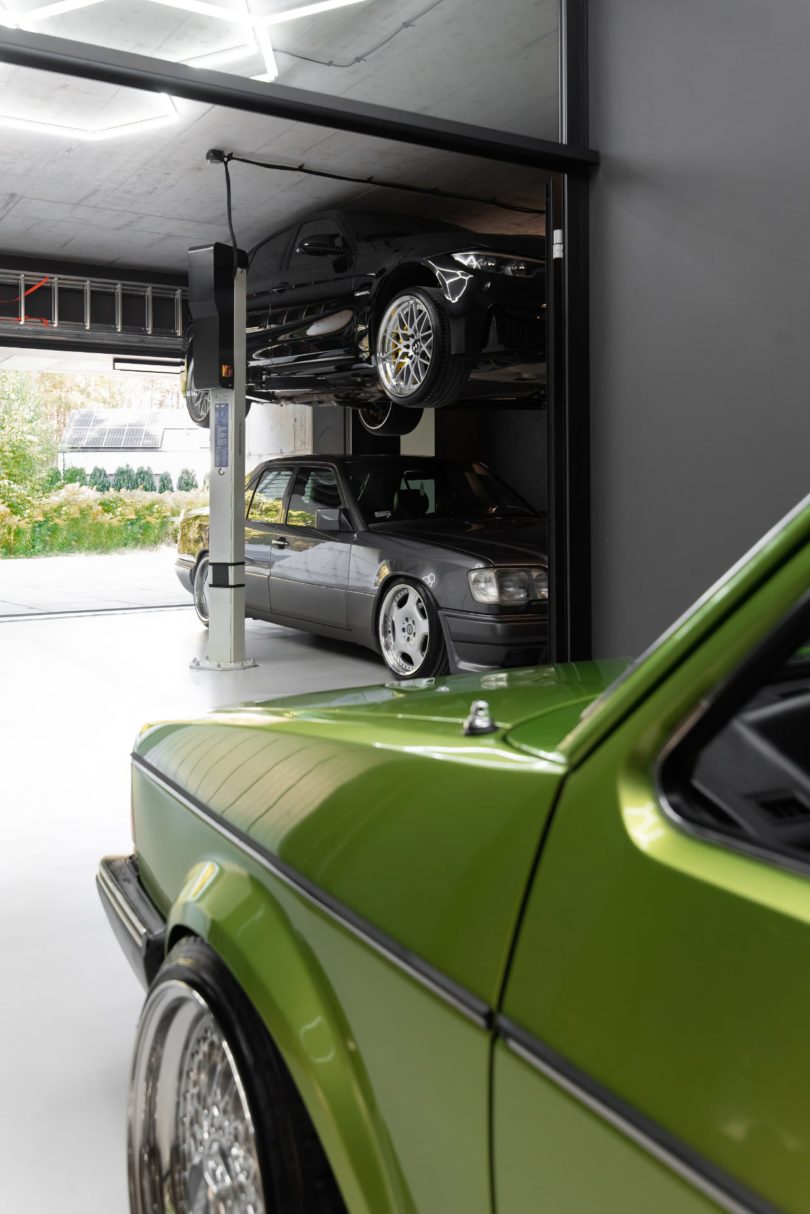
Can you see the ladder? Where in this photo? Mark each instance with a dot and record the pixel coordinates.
(39, 309)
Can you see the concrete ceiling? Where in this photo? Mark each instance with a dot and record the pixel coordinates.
(140, 198)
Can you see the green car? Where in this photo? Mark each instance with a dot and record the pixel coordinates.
(536, 940)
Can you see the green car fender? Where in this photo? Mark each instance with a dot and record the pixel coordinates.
(223, 904)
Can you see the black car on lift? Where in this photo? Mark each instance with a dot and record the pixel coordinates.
(391, 315)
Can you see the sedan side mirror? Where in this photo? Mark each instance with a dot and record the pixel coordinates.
(331, 520)
(322, 246)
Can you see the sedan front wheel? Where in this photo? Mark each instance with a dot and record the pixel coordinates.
(410, 632)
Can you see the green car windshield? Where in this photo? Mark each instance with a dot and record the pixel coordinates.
(405, 489)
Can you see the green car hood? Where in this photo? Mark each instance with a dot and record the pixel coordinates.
(377, 798)
(539, 705)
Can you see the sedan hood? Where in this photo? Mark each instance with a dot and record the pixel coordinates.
(545, 702)
(509, 540)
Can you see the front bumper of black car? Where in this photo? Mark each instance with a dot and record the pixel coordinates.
(486, 642)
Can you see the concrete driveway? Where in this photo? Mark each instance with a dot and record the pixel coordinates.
(81, 582)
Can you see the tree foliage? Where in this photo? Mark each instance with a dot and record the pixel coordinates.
(165, 483)
(100, 480)
(124, 477)
(145, 479)
(186, 481)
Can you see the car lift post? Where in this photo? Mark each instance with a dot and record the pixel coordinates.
(217, 295)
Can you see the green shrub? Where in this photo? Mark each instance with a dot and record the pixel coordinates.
(145, 479)
(52, 480)
(186, 481)
(99, 480)
(74, 476)
(80, 519)
(124, 478)
(165, 483)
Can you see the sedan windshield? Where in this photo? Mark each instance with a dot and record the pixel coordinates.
(405, 489)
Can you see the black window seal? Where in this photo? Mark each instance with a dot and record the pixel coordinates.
(714, 711)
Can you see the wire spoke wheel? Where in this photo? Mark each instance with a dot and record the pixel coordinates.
(405, 346)
(404, 629)
(192, 1143)
(201, 591)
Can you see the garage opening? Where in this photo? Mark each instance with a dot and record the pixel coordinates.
(157, 193)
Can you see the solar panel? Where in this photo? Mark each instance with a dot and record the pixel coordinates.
(121, 429)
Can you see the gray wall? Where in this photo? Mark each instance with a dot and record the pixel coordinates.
(700, 296)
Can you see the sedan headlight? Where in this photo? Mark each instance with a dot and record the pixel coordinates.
(508, 586)
(498, 263)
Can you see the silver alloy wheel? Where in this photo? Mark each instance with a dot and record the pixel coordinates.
(405, 342)
(404, 629)
(201, 590)
(192, 1143)
(198, 400)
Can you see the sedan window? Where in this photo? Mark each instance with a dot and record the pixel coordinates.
(744, 772)
(400, 490)
(268, 500)
(314, 489)
(266, 261)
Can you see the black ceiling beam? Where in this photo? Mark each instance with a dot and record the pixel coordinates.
(45, 53)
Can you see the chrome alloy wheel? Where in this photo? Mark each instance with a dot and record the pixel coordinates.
(192, 1144)
(200, 588)
(405, 346)
(404, 629)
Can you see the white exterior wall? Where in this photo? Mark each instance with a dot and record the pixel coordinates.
(277, 430)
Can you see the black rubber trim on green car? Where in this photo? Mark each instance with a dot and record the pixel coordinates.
(445, 988)
(729, 1194)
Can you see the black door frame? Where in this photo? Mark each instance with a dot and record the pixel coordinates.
(567, 274)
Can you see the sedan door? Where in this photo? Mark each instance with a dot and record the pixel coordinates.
(309, 569)
(312, 310)
(264, 518)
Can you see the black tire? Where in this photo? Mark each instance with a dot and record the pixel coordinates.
(199, 594)
(274, 1132)
(445, 375)
(386, 418)
(401, 652)
(198, 400)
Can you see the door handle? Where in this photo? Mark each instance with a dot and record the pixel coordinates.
(280, 541)
(282, 286)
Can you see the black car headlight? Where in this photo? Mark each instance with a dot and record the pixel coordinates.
(508, 586)
(498, 263)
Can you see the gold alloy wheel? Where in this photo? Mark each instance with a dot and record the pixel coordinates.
(405, 344)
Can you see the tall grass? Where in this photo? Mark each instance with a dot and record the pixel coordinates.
(79, 519)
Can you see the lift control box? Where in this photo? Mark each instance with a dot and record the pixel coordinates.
(210, 295)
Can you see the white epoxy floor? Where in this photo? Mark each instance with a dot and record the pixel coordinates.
(74, 693)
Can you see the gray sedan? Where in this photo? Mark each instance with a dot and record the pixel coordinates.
(435, 564)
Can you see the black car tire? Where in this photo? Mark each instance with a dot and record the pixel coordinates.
(199, 589)
(386, 418)
(198, 400)
(444, 376)
(400, 625)
(197, 1023)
